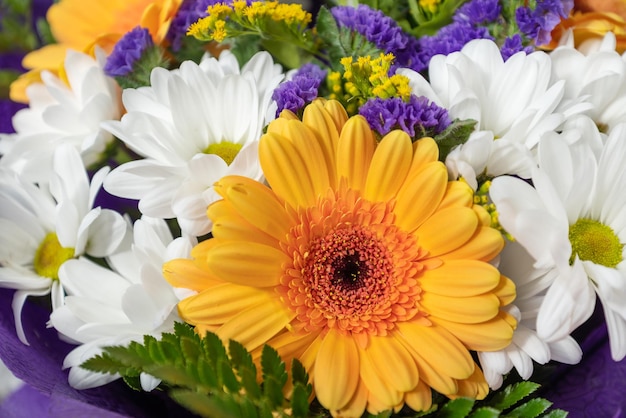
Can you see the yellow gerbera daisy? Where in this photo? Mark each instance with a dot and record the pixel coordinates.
(75, 26)
(362, 260)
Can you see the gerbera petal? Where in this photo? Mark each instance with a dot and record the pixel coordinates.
(467, 310)
(216, 305)
(442, 350)
(336, 370)
(257, 204)
(438, 235)
(458, 194)
(287, 171)
(354, 152)
(460, 278)
(425, 150)
(427, 186)
(337, 113)
(228, 224)
(186, 274)
(257, 324)
(393, 362)
(474, 387)
(246, 263)
(486, 243)
(420, 398)
(374, 381)
(491, 335)
(389, 166)
(323, 125)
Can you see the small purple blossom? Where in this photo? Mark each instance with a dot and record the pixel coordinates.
(512, 45)
(188, 12)
(478, 12)
(128, 51)
(537, 24)
(294, 94)
(418, 117)
(382, 31)
(450, 39)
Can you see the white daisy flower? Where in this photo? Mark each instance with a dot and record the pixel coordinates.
(597, 76)
(193, 125)
(526, 347)
(40, 229)
(114, 307)
(573, 222)
(513, 102)
(62, 111)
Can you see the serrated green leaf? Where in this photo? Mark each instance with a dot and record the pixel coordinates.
(300, 401)
(190, 348)
(104, 363)
(512, 394)
(246, 370)
(204, 405)
(227, 376)
(485, 412)
(274, 375)
(207, 375)
(171, 374)
(530, 409)
(456, 408)
(133, 382)
(556, 413)
(214, 350)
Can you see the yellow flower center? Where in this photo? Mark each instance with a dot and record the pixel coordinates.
(226, 150)
(353, 270)
(50, 255)
(595, 242)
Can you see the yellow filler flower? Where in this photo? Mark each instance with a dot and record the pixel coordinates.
(362, 261)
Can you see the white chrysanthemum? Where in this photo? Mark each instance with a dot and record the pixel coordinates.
(40, 229)
(526, 347)
(597, 76)
(194, 125)
(114, 307)
(573, 222)
(63, 111)
(513, 102)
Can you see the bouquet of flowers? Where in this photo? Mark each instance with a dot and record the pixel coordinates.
(344, 208)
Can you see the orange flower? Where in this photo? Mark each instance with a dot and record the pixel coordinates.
(592, 19)
(362, 261)
(78, 27)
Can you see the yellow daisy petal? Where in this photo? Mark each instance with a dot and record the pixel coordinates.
(491, 335)
(420, 398)
(246, 263)
(267, 213)
(461, 278)
(336, 370)
(468, 310)
(444, 352)
(217, 305)
(393, 363)
(187, 274)
(354, 152)
(427, 186)
(257, 324)
(447, 230)
(389, 167)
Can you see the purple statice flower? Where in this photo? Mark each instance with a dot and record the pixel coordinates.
(294, 94)
(188, 12)
(537, 24)
(478, 12)
(450, 39)
(382, 31)
(417, 117)
(512, 45)
(127, 52)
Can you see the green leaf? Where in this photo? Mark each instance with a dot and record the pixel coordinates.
(456, 408)
(134, 382)
(274, 375)
(530, 409)
(556, 413)
(454, 135)
(246, 370)
(485, 412)
(512, 394)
